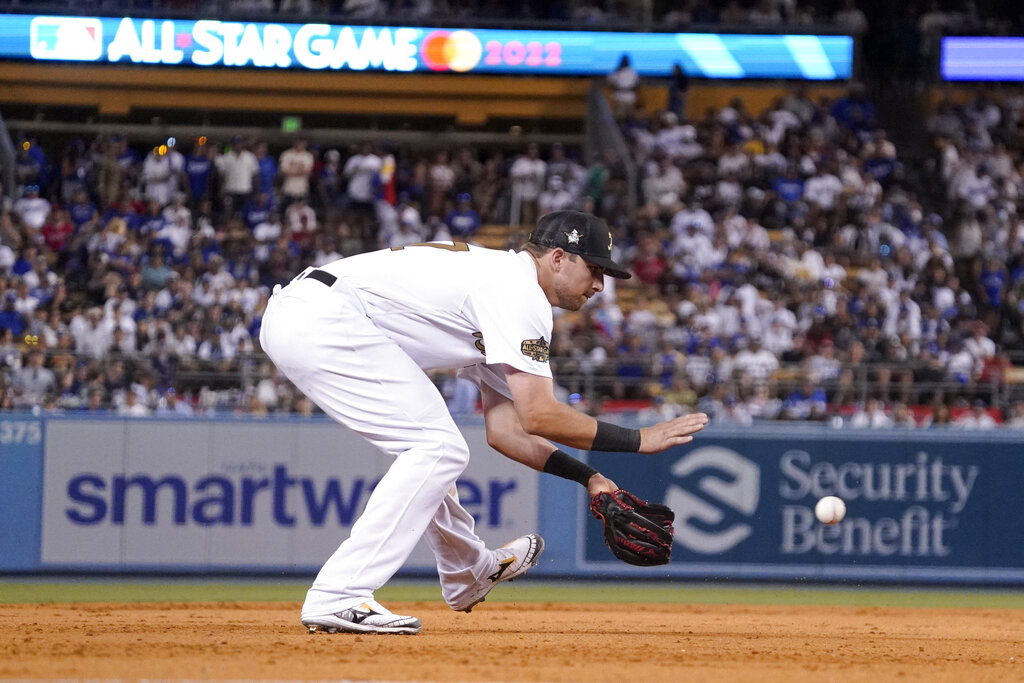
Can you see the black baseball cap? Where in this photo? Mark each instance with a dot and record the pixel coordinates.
(579, 233)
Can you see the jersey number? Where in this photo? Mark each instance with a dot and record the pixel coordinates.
(454, 246)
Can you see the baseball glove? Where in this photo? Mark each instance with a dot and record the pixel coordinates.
(637, 532)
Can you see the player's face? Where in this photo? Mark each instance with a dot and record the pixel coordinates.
(576, 282)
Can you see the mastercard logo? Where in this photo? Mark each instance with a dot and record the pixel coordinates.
(457, 50)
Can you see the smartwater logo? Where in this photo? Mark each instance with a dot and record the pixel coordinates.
(246, 498)
(77, 39)
(728, 484)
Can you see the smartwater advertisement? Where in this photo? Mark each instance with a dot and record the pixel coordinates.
(935, 506)
(154, 494)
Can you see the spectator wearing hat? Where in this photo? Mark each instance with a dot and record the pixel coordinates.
(257, 209)
(29, 164)
(463, 220)
(32, 209)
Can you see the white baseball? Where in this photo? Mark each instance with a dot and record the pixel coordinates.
(830, 510)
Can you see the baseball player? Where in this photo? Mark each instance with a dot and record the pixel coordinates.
(357, 337)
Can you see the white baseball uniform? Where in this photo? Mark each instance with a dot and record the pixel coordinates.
(358, 348)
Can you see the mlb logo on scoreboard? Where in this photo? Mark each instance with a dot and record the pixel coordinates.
(77, 39)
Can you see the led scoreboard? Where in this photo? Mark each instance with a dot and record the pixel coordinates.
(315, 46)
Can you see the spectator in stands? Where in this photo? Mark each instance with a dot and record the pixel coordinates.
(527, 175)
(977, 417)
(331, 183)
(756, 362)
(440, 181)
(1015, 418)
(33, 383)
(257, 209)
(162, 172)
(555, 197)
(871, 416)
(623, 82)
(296, 167)
(360, 172)
(93, 334)
(807, 402)
(300, 221)
(239, 170)
(855, 111)
(173, 404)
(32, 209)
(463, 221)
(131, 407)
(663, 188)
(199, 172)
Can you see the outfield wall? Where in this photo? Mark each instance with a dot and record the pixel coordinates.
(277, 496)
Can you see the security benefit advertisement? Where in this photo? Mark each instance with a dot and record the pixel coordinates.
(928, 508)
(237, 495)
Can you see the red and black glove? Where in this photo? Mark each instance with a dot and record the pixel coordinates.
(637, 532)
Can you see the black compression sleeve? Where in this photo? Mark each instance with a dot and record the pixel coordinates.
(616, 439)
(563, 465)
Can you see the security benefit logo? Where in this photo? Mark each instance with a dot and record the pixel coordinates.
(715, 493)
(897, 507)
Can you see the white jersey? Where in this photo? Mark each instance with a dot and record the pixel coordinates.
(451, 306)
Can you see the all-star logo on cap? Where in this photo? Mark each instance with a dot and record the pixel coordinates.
(579, 233)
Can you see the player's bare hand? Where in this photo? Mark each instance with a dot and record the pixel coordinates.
(675, 432)
(598, 483)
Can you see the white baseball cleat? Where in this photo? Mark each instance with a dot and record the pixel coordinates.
(368, 617)
(514, 558)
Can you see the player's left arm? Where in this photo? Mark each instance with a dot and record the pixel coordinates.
(506, 435)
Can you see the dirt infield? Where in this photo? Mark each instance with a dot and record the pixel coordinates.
(629, 643)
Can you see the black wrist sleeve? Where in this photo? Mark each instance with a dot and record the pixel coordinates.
(616, 439)
(563, 465)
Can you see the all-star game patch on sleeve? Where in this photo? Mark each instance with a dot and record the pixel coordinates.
(516, 327)
(537, 349)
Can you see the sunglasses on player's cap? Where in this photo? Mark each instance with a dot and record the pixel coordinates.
(579, 233)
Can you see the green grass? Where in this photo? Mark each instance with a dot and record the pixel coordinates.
(191, 590)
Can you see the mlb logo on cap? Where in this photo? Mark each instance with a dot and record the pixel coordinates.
(78, 39)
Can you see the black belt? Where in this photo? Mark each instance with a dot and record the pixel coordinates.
(322, 276)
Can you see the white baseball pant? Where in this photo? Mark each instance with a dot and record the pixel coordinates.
(322, 340)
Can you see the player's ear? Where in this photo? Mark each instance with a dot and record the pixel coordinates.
(557, 256)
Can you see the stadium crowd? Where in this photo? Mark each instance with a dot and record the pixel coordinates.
(787, 265)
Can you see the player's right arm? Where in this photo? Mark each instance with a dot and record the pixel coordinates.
(506, 435)
(541, 414)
